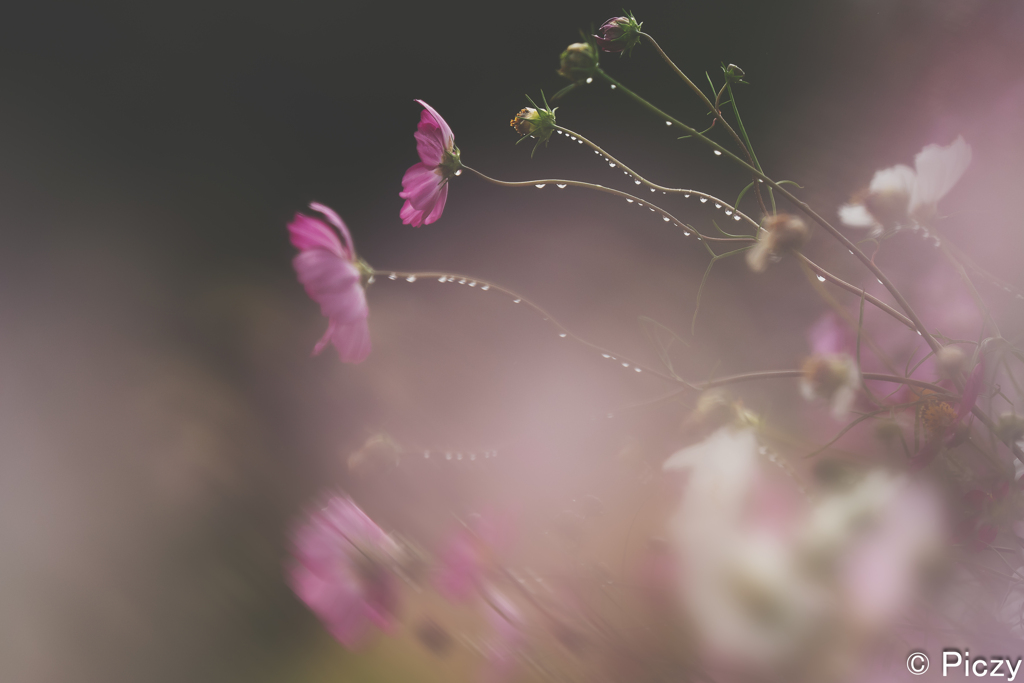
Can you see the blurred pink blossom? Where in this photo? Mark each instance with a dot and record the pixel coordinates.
(467, 555)
(340, 571)
(947, 419)
(425, 185)
(328, 269)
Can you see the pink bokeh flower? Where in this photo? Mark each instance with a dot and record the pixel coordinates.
(425, 185)
(340, 571)
(327, 267)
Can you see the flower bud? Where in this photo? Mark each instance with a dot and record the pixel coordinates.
(782, 232)
(618, 34)
(535, 122)
(950, 361)
(1010, 427)
(733, 73)
(578, 62)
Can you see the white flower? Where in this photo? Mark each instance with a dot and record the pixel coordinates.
(901, 195)
(738, 579)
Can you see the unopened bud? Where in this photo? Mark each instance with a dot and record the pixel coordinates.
(1010, 427)
(618, 34)
(733, 73)
(950, 361)
(578, 62)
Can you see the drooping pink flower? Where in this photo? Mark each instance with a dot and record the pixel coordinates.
(328, 269)
(425, 185)
(340, 571)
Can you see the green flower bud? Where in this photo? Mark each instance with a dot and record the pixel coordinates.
(578, 62)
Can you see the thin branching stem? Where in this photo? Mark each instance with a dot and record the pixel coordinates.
(801, 205)
(715, 111)
(612, 191)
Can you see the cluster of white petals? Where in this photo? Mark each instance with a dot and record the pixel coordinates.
(903, 196)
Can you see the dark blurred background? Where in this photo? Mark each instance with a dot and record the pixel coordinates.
(162, 424)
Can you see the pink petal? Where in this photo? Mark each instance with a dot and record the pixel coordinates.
(435, 213)
(433, 136)
(420, 184)
(332, 282)
(352, 341)
(422, 188)
(308, 233)
(336, 221)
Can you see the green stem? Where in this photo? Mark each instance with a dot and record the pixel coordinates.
(807, 210)
(743, 130)
(711, 107)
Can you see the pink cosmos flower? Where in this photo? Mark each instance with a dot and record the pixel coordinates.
(425, 185)
(340, 571)
(328, 269)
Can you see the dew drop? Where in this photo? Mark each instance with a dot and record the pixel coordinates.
(637, 182)
(686, 234)
(625, 365)
(462, 281)
(728, 212)
(703, 200)
(472, 284)
(559, 132)
(651, 208)
(560, 186)
(630, 201)
(540, 186)
(605, 355)
(686, 196)
(458, 456)
(640, 205)
(851, 251)
(411, 278)
(879, 281)
(515, 301)
(562, 335)
(447, 456)
(919, 333)
(717, 153)
(736, 217)
(653, 190)
(580, 141)
(611, 165)
(459, 172)
(613, 86)
(637, 369)
(665, 218)
(485, 287)
(760, 180)
(370, 280)
(443, 278)
(668, 123)
(821, 278)
(717, 205)
(393, 276)
(572, 137)
(590, 80)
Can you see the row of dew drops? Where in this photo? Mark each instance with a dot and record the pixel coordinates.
(484, 287)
